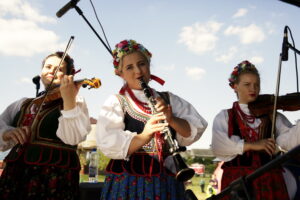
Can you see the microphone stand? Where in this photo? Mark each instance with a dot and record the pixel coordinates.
(79, 11)
(277, 92)
(276, 97)
(293, 48)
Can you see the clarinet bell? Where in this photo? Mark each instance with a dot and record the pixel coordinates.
(183, 172)
(189, 195)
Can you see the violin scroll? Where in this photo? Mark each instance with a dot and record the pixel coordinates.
(93, 83)
(53, 95)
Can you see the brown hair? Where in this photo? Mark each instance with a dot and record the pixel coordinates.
(69, 61)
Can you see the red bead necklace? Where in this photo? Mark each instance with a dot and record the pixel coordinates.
(248, 118)
(142, 105)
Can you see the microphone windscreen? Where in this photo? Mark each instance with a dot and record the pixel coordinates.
(36, 79)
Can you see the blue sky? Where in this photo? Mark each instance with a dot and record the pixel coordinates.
(195, 45)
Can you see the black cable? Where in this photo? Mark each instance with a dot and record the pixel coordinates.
(95, 12)
(296, 66)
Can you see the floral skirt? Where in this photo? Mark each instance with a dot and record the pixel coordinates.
(22, 181)
(129, 187)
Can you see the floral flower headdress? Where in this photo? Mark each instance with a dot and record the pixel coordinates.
(126, 47)
(243, 66)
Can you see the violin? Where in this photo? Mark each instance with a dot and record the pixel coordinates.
(55, 94)
(264, 104)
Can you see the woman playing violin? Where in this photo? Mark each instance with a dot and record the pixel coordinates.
(244, 141)
(43, 163)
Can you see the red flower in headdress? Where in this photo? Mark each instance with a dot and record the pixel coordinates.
(135, 46)
(122, 44)
(116, 63)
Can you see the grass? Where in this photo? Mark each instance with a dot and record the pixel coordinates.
(194, 185)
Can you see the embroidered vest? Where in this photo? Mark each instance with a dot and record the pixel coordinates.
(250, 158)
(43, 147)
(144, 162)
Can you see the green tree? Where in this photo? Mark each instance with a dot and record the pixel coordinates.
(103, 161)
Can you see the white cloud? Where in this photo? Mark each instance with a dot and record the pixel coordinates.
(225, 58)
(240, 13)
(200, 38)
(256, 60)
(170, 67)
(248, 34)
(195, 73)
(25, 38)
(23, 80)
(20, 31)
(270, 28)
(22, 9)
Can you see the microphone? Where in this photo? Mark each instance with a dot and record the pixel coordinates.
(285, 46)
(67, 7)
(36, 81)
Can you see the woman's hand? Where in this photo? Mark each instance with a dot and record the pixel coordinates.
(18, 135)
(267, 145)
(181, 126)
(69, 91)
(154, 124)
(161, 106)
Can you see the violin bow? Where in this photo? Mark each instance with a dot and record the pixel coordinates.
(282, 57)
(49, 86)
(52, 80)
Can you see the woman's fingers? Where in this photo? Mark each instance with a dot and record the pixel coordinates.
(156, 123)
(159, 127)
(14, 138)
(21, 135)
(18, 135)
(157, 118)
(160, 105)
(269, 146)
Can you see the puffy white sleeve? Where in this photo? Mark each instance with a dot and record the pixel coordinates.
(111, 138)
(74, 124)
(288, 134)
(6, 121)
(223, 147)
(184, 110)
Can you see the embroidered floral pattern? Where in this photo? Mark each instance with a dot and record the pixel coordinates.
(126, 47)
(22, 181)
(130, 110)
(125, 186)
(245, 65)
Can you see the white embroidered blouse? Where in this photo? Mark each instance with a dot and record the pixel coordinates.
(73, 127)
(226, 149)
(114, 141)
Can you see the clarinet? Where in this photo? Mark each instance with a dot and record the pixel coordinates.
(183, 173)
